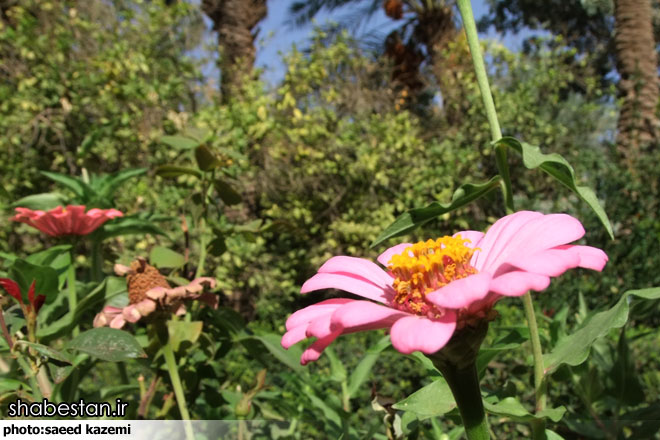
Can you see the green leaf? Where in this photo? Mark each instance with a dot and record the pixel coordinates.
(114, 181)
(271, 341)
(44, 201)
(574, 348)
(179, 142)
(559, 168)
(24, 273)
(170, 171)
(108, 344)
(128, 225)
(8, 384)
(363, 368)
(337, 369)
(206, 160)
(4, 194)
(513, 339)
(511, 408)
(47, 351)
(433, 400)
(80, 188)
(182, 331)
(226, 192)
(163, 257)
(414, 218)
(552, 435)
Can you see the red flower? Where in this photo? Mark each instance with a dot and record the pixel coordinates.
(14, 290)
(72, 220)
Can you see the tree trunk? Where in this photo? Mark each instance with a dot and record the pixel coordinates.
(234, 21)
(637, 64)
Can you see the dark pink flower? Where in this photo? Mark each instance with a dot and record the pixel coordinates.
(72, 220)
(432, 288)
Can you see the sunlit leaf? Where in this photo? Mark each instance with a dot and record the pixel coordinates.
(559, 168)
(179, 142)
(163, 257)
(511, 408)
(414, 218)
(574, 348)
(82, 190)
(171, 171)
(48, 352)
(433, 400)
(107, 344)
(182, 331)
(44, 201)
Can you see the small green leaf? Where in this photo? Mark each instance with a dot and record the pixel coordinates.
(363, 368)
(128, 225)
(44, 201)
(414, 218)
(179, 142)
(46, 280)
(574, 348)
(170, 171)
(206, 160)
(163, 257)
(8, 384)
(108, 344)
(226, 192)
(182, 331)
(217, 246)
(510, 407)
(433, 400)
(47, 351)
(82, 190)
(559, 168)
(271, 342)
(114, 181)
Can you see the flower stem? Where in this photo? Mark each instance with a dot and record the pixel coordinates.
(202, 249)
(500, 156)
(538, 426)
(482, 79)
(172, 368)
(31, 377)
(71, 287)
(97, 261)
(464, 384)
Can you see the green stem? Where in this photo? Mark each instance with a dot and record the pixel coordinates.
(500, 156)
(202, 249)
(31, 377)
(464, 384)
(540, 386)
(97, 261)
(71, 287)
(482, 79)
(172, 368)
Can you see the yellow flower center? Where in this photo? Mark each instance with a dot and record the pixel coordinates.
(425, 267)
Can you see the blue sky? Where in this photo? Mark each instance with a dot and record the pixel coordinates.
(277, 36)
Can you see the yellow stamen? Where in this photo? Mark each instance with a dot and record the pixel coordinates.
(427, 266)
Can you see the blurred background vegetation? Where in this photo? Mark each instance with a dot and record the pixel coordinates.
(358, 129)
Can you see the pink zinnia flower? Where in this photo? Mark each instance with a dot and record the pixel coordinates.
(430, 289)
(149, 292)
(72, 220)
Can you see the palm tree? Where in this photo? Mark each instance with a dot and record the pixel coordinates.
(637, 64)
(427, 28)
(235, 22)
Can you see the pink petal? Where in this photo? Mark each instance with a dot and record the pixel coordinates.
(117, 322)
(348, 283)
(319, 328)
(306, 315)
(517, 283)
(533, 236)
(364, 315)
(551, 262)
(315, 350)
(590, 257)
(294, 336)
(131, 314)
(500, 233)
(414, 333)
(357, 266)
(462, 292)
(386, 256)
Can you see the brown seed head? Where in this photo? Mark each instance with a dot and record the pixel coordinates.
(141, 279)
